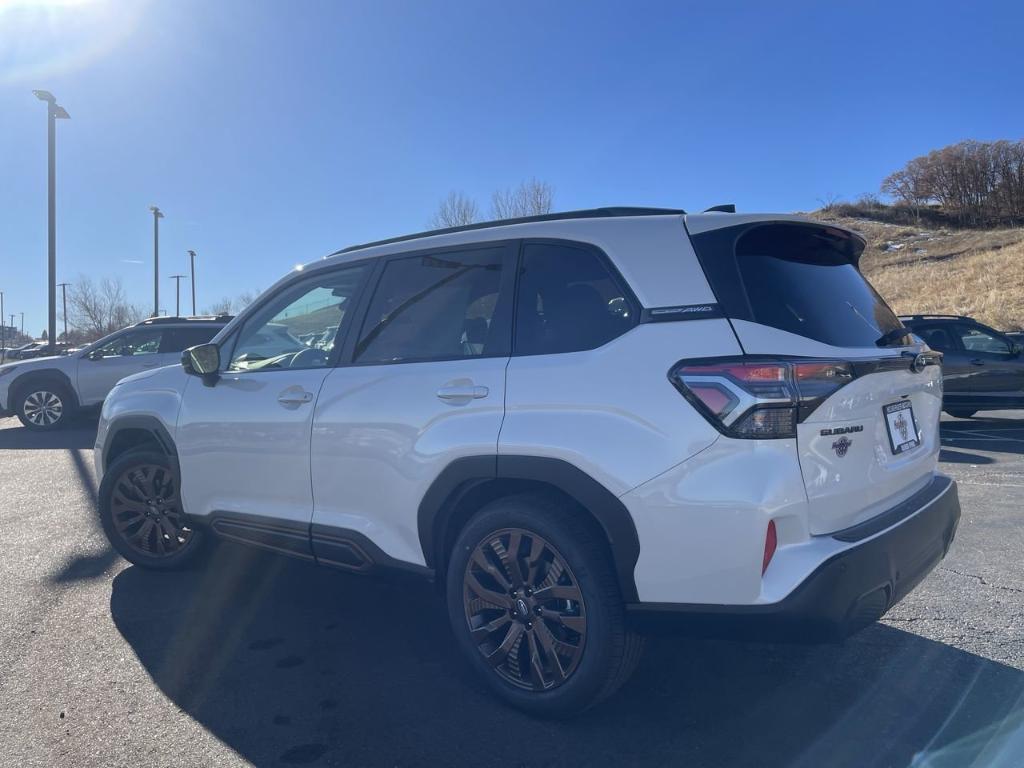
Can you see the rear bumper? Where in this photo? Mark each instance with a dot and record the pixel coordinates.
(889, 556)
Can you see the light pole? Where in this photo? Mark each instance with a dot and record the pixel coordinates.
(157, 215)
(3, 328)
(54, 112)
(177, 293)
(192, 263)
(23, 321)
(64, 297)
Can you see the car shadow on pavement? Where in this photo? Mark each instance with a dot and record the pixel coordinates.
(77, 436)
(999, 434)
(289, 664)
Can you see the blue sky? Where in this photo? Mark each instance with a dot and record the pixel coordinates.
(272, 133)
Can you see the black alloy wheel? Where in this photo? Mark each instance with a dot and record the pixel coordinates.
(142, 515)
(524, 609)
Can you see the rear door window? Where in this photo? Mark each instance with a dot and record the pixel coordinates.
(568, 300)
(938, 337)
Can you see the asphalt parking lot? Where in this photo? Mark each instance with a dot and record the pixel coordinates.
(257, 660)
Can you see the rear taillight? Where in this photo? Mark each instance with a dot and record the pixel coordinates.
(771, 541)
(759, 399)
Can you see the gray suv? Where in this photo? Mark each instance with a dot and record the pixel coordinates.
(982, 368)
(45, 392)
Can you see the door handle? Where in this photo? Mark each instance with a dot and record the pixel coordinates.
(463, 393)
(291, 397)
(976, 361)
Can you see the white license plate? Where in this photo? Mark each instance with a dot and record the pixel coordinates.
(899, 421)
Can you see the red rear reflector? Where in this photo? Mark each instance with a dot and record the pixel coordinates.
(770, 542)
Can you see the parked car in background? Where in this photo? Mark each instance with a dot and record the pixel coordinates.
(45, 392)
(563, 420)
(26, 351)
(983, 369)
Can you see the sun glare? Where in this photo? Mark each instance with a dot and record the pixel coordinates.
(41, 38)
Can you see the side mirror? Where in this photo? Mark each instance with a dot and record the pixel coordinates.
(204, 361)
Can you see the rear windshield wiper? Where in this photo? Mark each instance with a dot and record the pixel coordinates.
(889, 337)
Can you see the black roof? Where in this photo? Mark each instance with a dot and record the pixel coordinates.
(589, 213)
(196, 319)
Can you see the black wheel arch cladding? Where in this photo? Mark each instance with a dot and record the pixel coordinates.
(439, 509)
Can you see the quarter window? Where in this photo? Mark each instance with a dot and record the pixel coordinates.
(568, 301)
(436, 306)
(297, 328)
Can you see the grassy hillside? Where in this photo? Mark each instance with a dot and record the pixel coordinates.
(976, 272)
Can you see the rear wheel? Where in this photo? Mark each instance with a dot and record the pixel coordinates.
(960, 413)
(535, 605)
(44, 406)
(141, 513)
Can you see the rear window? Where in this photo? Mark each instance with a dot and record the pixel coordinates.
(803, 279)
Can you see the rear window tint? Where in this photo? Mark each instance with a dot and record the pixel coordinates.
(801, 279)
(568, 301)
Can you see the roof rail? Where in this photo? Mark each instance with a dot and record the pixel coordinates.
(185, 319)
(931, 316)
(590, 213)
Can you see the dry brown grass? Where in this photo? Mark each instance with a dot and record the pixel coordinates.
(951, 271)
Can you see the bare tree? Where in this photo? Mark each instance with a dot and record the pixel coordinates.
(455, 210)
(98, 309)
(531, 198)
(228, 306)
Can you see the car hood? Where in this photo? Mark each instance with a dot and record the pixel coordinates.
(54, 361)
(146, 374)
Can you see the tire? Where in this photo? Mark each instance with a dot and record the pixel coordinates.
(512, 620)
(157, 536)
(45, 406)
(960, 413)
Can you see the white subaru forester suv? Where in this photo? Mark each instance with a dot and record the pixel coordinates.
(571, 423)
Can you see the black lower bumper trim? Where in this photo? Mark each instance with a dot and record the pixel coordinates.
(844, 594)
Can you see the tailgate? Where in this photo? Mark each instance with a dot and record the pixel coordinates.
(792, 289)
(870, 445)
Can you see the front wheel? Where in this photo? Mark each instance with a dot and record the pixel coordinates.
(141, 513)
(535, 605)
(44, 406)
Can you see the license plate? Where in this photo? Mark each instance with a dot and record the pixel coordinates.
(899, 420)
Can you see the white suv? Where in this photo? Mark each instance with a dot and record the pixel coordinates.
(570, 423)
(45, 392)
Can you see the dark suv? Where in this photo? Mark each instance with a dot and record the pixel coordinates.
(982, 370)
